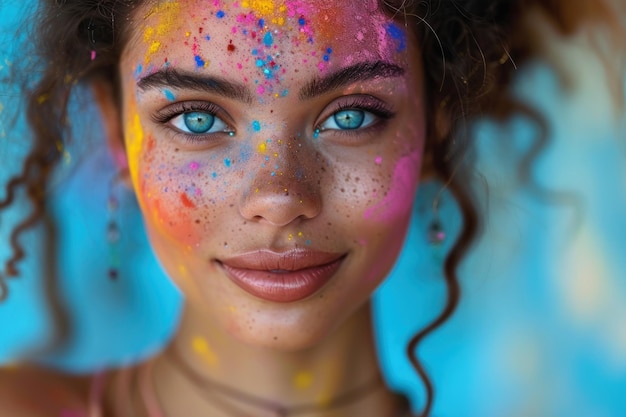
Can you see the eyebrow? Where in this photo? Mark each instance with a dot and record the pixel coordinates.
(173, 78)
(362, 71)
(359, 72)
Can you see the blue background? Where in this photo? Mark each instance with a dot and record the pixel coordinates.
(541, 329)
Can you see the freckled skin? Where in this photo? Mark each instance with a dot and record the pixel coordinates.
(284, 186)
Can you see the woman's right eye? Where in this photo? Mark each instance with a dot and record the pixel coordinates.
(199, 123)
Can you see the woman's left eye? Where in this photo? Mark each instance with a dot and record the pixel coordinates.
(349, 119)
(199, 123)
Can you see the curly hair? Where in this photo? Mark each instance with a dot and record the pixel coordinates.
(470, 50)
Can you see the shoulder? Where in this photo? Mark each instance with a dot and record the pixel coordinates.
(29, 391)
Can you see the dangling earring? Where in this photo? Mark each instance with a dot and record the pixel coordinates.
(436, 233)
(113, 234)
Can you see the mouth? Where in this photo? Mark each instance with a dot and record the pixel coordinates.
(282, 277)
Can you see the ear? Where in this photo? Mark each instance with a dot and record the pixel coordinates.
(105, 97)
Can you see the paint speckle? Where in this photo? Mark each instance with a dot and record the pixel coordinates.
(268, 39)
(316, 134)
(194, 166)
(398, 35)
(256, 126)
(262, 148)
(186, 201)
(169, 95)
(220, 14)
(200, 63)
(227, 163)
(378, 160)
(202, 348)
(303, 380)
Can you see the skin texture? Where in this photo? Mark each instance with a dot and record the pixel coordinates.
(276, 173)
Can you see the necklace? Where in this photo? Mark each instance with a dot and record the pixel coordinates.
(150, 400)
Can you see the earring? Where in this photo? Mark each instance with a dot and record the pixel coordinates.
(113, 234)
(436, 234)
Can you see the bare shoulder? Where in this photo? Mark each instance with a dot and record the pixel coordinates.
(29, 391)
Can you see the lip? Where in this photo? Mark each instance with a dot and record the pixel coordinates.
(282, 277)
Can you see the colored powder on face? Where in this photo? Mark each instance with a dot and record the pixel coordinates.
(262, 148)
(134, 141)
(194, 166)
(256, 126)
(214, 175)
(200, 63)
(138, 71)
(268, 39)
(227, 162)
(303, 380)
(202, 348)
(398, 35)
(186, 201)
(169, 95)
(399, 198)
(207, 37)
(378, 160)
(302, 21)
(220, 14)
(260, 89)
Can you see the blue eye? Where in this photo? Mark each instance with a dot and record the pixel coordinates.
(199, 123)
(349, 119)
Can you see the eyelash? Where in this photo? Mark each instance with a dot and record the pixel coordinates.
(363, 103)
(166, 115)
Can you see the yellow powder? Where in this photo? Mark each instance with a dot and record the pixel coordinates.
(262, 147)
(303, 380)
(202, 348)
(134, 141)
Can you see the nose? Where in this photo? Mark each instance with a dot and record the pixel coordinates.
(283, 188)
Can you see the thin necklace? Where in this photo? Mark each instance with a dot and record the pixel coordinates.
(151, 403)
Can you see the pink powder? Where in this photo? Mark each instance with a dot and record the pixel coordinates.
(378, 160)
(399, 198)
(194, 166)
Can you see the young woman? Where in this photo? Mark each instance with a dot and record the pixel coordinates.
(275, 149)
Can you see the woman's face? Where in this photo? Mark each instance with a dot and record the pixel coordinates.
(275, 149)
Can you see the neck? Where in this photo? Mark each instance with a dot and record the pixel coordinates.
(202, 363)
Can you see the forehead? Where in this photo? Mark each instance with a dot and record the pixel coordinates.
(199, 32)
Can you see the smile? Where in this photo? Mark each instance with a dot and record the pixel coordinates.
(282, 277)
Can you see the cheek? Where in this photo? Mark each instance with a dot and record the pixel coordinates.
(172, 194)
(397, 198)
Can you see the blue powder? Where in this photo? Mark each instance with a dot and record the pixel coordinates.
(326, 58)
(301, 21)
(261, 23)
(259, 63)
(256, 126)
(268, 39)
(308, 243)
(220, 14)
(398, 35)
(255, 52)
(199, 61)
(284, 93)
(214, 175)
(169, 95)
(227, 162)
(207, 37)
(138, 71)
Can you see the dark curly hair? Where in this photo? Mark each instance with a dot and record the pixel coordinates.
(470, 51)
